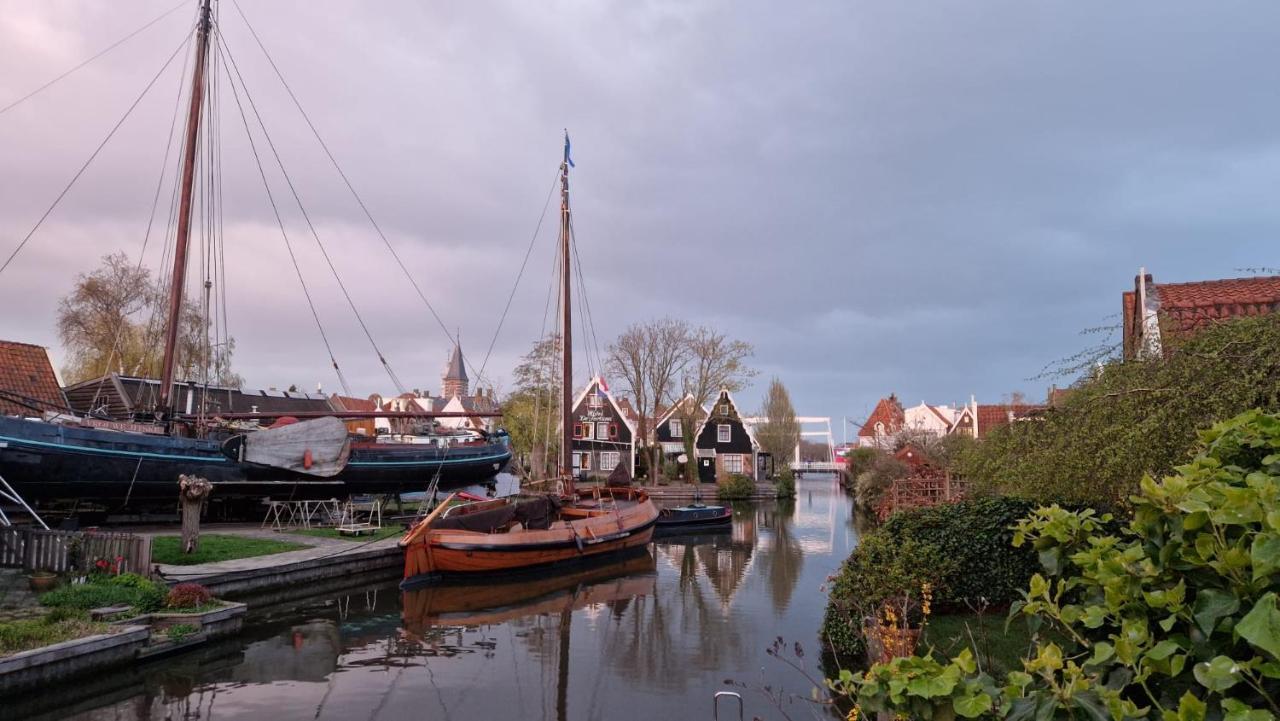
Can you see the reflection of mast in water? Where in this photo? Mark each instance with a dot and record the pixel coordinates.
(562, 673)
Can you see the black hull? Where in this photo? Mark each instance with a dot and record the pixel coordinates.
(46, 462)
(689, 518)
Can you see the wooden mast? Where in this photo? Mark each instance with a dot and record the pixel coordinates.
(184, 212)
(566, 390)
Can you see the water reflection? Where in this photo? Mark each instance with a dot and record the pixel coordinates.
(653, 636)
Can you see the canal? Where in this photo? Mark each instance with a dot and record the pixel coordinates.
(652, 637)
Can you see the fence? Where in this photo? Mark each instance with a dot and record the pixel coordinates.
(922, 492)
(66, 551)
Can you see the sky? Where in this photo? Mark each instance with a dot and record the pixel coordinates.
(927, 198)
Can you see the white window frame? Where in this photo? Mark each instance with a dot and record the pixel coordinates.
(609, 460)
(724, 409)
(677, 430)
(724, 433)
(732, 463)
(602, 430)
(595, 401)
(588, 429)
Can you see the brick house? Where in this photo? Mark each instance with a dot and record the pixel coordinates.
(882, 427)
(977, 420)
(1156, 313)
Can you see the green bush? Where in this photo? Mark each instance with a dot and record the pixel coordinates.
(127, 589)
(1173, 618)
(735, 486)
(964, 550)
(60, 625)
(786, 484)
(1133, 418)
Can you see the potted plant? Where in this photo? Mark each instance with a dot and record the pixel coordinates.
(42, 580)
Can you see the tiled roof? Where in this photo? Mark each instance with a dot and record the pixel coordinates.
(347, 403)
(1189, 306)
(888, 412)
(994, 416)
(457, 370)
(25, 371)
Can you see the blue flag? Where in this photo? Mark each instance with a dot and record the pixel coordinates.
(567, 159)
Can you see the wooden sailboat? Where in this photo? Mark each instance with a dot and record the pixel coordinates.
(56, 455)
(527, 531)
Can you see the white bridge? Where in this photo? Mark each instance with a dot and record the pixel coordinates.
(831, 465)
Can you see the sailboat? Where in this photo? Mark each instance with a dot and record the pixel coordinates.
(52, 454)
(527, 531)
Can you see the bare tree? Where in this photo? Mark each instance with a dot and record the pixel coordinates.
(715, 363)
(650, 358)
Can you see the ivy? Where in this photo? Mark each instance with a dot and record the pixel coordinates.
(1173, 617)
(1132, 418)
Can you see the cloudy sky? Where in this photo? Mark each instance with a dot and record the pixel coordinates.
(931, 198)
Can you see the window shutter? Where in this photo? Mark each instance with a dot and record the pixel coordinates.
(613, 431)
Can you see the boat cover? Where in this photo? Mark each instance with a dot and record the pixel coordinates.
(535, 512)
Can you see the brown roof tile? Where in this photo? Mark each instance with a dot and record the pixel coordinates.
(25, 371)
(889, 412)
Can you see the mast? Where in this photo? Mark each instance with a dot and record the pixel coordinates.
(184, 212)
(566, 390)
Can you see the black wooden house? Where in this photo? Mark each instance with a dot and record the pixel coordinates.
(725, 445)
(602, 435)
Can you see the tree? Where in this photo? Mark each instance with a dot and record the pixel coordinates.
(101, 325)
(715, 363)
(650, 358)
(527, 414)
(780, 433)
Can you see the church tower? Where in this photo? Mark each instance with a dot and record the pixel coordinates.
(455, 378)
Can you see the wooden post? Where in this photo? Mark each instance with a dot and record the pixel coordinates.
(193, 493)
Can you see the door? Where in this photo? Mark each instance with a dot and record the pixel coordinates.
(706, 470)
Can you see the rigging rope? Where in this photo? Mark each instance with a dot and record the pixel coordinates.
(395, 380)
(595, 341)
(343, 175)
(537, 229)
(100, 53)
(88, 162)
(283, 234)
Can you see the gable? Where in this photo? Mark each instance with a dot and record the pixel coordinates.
(724, 412)
(605, 410)
(27, 377)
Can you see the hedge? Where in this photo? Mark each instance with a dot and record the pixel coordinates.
(964, 550)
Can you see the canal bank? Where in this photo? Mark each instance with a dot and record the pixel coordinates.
(656, 636)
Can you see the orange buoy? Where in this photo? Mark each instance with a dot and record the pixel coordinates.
(306, 459)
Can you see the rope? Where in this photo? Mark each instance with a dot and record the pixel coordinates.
(307, 217)
(88, 162)
(283, 234)
(83, 63)
(343, 175)
(595, 341)
(529, 251)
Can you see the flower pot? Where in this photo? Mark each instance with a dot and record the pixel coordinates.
(42, 581)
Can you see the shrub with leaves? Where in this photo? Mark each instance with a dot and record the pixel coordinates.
(1175, 617)
(188, 595)
(734, 486)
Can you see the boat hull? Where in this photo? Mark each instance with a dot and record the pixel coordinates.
(47, 461)
(437, 553)
(692, 517)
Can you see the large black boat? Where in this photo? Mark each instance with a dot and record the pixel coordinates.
(124, 446)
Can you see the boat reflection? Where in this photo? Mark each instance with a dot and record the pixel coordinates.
(477, 603)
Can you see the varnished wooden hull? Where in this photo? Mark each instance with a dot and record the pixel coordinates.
(436, 552)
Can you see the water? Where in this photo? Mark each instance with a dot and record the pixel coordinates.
(652, 638)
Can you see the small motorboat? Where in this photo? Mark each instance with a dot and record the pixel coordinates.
(695, 516)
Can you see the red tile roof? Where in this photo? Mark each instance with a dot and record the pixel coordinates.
(888, 412)
(25, 371)
(347, 403)
(1187, 307)
(991, 417)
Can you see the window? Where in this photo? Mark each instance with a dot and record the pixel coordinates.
(595, 401)
(879, 428)
(609, 460)
(584, 461)
(586, 430)
(724, 433)
(732, 463)
(724, 409)
(602, 431)
(677, 431)
(577, 430)
(613, 431)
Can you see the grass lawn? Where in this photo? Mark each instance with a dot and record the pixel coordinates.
(384, 532)
(17, 636)
(998, 651)
(168, 549)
